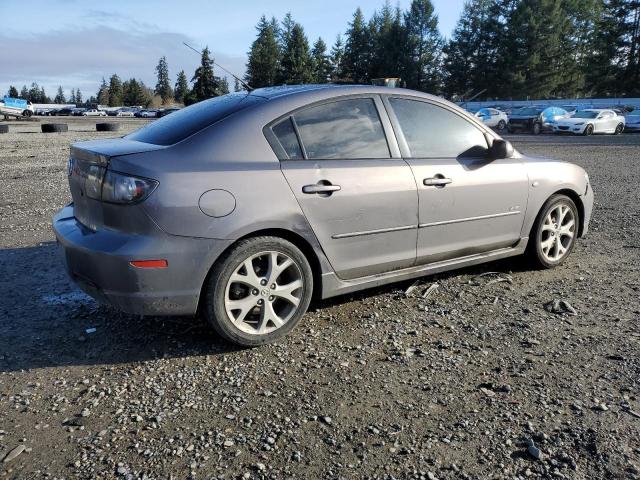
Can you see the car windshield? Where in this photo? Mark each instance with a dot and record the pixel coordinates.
(183, 123)
(528, 111)
(585, 114)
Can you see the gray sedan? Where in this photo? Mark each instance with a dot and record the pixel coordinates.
(244, 207)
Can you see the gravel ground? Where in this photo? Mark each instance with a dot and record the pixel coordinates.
(478, 380)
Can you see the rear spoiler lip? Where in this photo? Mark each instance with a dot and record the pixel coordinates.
(100, 152)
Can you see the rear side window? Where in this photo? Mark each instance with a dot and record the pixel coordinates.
(287, 137)
(434, 132)
(342, 130)
(185, 122)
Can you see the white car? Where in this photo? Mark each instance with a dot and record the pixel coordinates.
(493, 118)
(125, 113)
(94, 112)
(588, 122)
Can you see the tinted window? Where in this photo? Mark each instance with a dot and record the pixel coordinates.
(187, 121)
(287, 138)
(343, 129)
(432, 131)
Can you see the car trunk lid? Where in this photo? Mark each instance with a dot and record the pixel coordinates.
(88, 163)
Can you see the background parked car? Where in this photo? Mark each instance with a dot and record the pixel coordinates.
(588, 122)
(64, 112)
(493, 118)
(146, 113)
(535, 119)
(632, 123)
(94, 112)
(126, 112)
(166, 111)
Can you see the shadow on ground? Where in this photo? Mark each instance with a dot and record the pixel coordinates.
(44, 318)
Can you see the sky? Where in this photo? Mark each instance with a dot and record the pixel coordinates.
(74, 43)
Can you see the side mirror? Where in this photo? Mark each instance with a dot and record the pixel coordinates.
(500, 149)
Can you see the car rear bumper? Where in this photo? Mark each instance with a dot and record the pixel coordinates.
(99, 263)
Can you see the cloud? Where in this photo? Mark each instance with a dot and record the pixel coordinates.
(82, 56)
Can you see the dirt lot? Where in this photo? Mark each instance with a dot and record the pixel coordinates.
(375, 385)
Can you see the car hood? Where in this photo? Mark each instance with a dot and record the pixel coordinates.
(573, 121)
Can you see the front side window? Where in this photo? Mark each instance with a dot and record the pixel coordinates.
(434, 132)
(343, 129)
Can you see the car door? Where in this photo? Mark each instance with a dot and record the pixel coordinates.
(467, 203)
(359, 199)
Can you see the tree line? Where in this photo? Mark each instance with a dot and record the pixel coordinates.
(499, 49)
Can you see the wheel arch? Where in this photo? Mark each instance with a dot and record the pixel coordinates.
(298, 240)
(573, 195)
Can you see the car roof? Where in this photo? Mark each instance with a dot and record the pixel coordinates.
(329, 90)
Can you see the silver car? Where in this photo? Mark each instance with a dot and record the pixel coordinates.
(245, 206)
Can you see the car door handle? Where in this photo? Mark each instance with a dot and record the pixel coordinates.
(437, 181)
(321, 187)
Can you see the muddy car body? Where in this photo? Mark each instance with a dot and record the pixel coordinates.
(245, 205)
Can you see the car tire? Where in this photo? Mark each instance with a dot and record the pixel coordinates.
(107, 127)
(27, 113)
(588, 130)
(544, 250)
(54, 127)
(4, 128)
(537, 129)
(502, 125)
(260, 307)
(619, 129)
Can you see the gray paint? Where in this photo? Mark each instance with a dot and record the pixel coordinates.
(226, 182)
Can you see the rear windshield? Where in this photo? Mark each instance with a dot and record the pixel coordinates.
(185, 122)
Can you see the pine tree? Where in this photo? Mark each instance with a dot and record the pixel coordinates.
(388, 43)
(13, 92)
(296, 65)
(24, 93)
(135, 93)
(182, 87)
(320, 62)
(78, 96)
(264, 56)
(72, 98)
(357, 52)
(103, 93)
(236, 86)
(205, 85)
(163, 85)
(223, 86)
(60, 96)
(472, 55)
(337, 59)
(424, 46)
(115, 91)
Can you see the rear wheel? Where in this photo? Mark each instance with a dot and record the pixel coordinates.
(554, 233)
(259, 291)
(502, 125)
(588, 130)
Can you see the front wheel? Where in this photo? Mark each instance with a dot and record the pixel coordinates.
(554, 232)
(619, 129)
(502, 125)
(588, 130)
(27, 113)
(259, 291)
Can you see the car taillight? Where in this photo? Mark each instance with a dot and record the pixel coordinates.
(123, 188)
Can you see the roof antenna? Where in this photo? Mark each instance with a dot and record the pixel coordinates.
(247, 87)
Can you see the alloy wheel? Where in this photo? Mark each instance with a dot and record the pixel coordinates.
(558, 232)
(264, 292)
